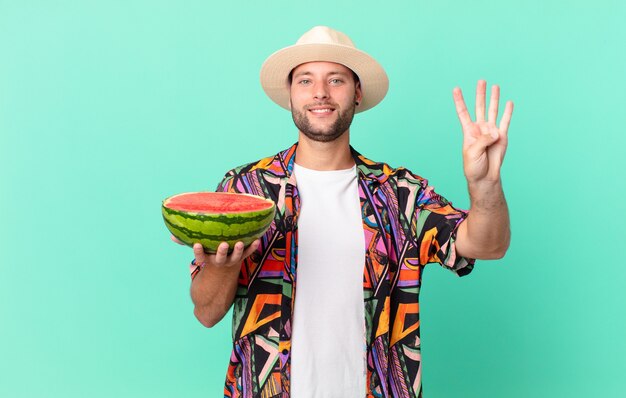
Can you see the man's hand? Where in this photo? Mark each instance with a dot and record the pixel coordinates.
(484, 143)
(221, 259)
(213, 288)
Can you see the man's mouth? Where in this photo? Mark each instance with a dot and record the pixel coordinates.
(321, 110)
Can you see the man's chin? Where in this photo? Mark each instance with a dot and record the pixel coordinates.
(319, 130)
(321, 136)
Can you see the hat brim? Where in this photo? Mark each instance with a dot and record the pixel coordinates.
(276, 68)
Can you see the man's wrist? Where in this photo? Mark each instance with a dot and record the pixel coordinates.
(486, 195)
(219, 270)
(484, 185)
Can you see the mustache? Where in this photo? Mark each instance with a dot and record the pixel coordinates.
(329, 104)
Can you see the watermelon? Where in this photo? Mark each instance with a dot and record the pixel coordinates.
(214, 217)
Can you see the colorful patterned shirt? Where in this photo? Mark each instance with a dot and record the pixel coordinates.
(406, 226)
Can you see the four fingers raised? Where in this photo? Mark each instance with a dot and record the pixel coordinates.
(492, 116)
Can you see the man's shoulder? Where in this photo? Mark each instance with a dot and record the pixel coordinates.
(384, 173)
(276, 165)
(406, 175)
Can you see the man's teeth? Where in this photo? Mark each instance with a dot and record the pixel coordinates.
(326, 110)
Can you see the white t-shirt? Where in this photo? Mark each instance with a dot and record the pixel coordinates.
(328, 332)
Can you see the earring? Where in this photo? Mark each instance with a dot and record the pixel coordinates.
(357, 103)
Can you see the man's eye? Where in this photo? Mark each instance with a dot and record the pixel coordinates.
(336, 81)
(304, 81)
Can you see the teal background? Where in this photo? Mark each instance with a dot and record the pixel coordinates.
(107, 107)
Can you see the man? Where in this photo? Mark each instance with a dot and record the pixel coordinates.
(326, 303)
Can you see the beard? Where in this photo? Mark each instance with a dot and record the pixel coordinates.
(320, 134)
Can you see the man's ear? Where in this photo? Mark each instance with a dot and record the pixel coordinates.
(358, 93)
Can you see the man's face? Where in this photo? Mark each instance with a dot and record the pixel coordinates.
(323, 96)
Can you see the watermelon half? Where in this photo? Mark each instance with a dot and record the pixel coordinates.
(210, 218)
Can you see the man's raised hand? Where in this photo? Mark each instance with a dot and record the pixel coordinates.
(484, 142)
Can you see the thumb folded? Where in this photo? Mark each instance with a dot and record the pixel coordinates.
(486, 140)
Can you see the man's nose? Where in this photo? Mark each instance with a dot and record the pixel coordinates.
(320, 91)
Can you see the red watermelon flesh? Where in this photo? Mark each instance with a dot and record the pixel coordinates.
(217, 202)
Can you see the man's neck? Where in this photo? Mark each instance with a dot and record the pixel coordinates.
(324, 156)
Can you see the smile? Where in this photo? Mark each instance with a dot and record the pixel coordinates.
(321, 111)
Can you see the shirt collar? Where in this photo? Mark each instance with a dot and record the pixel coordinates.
(370, 171)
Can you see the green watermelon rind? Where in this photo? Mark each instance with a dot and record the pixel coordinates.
(211, 229)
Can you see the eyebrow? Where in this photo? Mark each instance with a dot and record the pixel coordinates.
(308, 73)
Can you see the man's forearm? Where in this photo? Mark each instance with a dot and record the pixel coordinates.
(485, 233)
(212, 292)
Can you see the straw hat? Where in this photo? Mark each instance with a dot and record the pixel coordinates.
(324, 44)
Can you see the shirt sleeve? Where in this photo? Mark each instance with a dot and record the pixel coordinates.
(436, 227)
